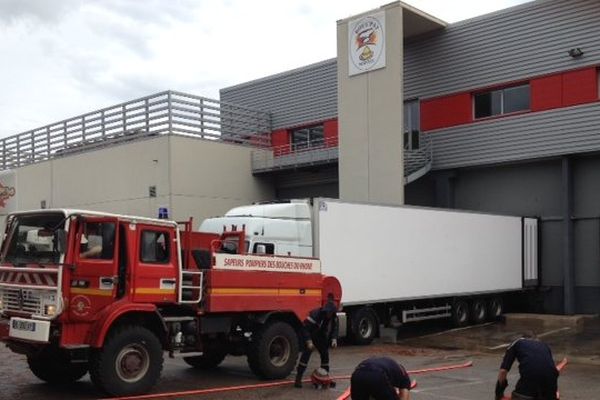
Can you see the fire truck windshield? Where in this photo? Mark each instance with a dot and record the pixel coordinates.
(33, 239)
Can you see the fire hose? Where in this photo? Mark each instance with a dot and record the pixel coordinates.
(198, 392)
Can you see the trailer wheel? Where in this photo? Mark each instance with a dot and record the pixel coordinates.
(495, 308)
(363, 326)
(273, 351)
(460, 313)
(54, 367)
(478, 311)
(129, 363)
(210, 359)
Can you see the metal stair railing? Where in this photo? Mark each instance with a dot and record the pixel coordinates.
(418, 162)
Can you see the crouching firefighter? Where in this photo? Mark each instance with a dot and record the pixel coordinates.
(538, 374)
(319, 330)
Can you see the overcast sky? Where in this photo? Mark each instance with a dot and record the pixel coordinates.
(62, 58)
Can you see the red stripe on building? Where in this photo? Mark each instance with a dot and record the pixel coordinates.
(443, 112)
(580, 87)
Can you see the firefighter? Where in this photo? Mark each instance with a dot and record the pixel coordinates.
(538, 373)
(380, 378)
(319, 330)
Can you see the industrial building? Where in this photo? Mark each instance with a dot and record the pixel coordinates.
(498, 113)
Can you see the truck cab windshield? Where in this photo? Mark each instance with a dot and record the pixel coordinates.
(33, 239)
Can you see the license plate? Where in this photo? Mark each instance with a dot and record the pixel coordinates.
(20, 325)
(28, 329)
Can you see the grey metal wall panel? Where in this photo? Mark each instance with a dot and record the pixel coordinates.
(296, 97)
(509, 45)
(537, 135)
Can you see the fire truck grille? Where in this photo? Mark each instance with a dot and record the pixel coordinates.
(22, 300)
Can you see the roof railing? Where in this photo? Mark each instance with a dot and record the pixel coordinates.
(164, 113)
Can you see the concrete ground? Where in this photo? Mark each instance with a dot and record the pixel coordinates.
(422, 346)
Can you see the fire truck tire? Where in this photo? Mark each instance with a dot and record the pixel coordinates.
(130, 362)
(55, 368)
(363, 326)
(273, 351)
(210, 359)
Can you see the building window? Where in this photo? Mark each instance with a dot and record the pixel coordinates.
(97, 241)
(411, 125)
(502, 101)
(304, 138)
(154, 247)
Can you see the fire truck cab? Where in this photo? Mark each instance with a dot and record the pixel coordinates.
(108, 294)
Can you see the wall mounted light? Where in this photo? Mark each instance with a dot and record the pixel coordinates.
(576, 52)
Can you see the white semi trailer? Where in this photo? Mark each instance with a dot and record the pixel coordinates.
(398, 264)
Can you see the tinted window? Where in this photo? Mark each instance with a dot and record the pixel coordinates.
(516, 99)
(154, 247)
(303, 138)
(502, 101)
(98, 241)
(269, 248)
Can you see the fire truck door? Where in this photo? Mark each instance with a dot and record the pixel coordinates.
(95, 278)
(155, 270)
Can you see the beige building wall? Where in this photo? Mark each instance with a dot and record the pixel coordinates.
(208, 178)
(114, 179)
(370, 112)
(193, 177)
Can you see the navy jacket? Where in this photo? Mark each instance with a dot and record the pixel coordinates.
(535, 359)
(318, 323)
(394, 372)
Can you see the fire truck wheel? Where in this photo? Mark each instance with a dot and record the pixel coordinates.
(363, 326)
(210, 359)
(129, 363)
(54, 367)
(273, 351)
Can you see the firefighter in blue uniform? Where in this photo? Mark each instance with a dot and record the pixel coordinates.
(380, 378)
(319, 330)
(538, 374)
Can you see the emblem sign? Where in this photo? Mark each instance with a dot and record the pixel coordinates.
(366, 44)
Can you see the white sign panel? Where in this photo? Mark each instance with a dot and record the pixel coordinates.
(8, 192)
(267, 263)
(366, 43)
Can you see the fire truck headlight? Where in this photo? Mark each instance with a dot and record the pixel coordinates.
(50, 310)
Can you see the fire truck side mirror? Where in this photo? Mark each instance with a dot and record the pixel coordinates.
(61, 240)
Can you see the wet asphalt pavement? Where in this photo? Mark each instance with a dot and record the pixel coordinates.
(418, 347)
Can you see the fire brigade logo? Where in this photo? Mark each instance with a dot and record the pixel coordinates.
(366, 48)
(6, 192)
(81, 306)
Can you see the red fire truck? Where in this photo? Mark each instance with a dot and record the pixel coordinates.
(110, 294)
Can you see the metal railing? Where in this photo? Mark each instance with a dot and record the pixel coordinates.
(311, 152)
(163, 113)
(417, 162)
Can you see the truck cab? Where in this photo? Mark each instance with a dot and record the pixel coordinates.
(273, 228)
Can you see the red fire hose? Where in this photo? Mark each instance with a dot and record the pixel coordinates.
(198, 392)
